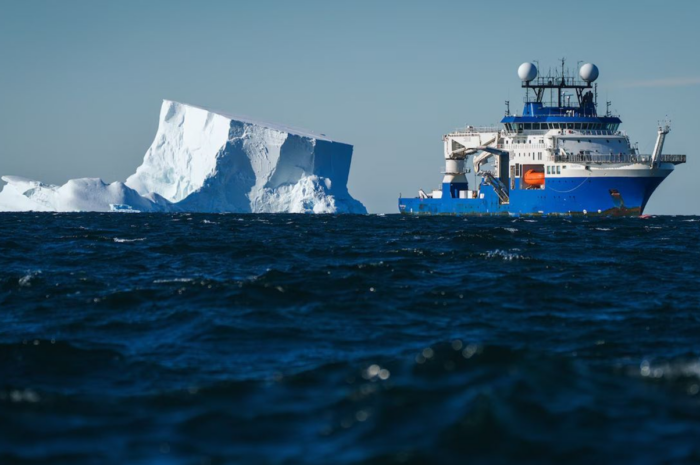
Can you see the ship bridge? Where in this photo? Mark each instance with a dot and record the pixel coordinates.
(560, 101)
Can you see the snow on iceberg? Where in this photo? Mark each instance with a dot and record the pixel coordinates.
(206, 161)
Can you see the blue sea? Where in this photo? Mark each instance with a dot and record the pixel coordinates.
(297, 339)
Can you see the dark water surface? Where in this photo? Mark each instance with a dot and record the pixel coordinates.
(206, 339)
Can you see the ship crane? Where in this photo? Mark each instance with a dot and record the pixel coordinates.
(485, 150)
(659, 146)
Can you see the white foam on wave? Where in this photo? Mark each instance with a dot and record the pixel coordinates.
(117, 239)
(504, 255)
(173, 280)
(26, 280)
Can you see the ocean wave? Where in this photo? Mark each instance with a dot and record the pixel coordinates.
(348, 340)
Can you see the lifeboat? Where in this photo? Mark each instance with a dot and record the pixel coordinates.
(534, 178)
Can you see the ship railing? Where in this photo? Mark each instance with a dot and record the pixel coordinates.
(675, 159)
(591, 132)
(564, 132)
(522, 146)
(475, 130)
(613, 158)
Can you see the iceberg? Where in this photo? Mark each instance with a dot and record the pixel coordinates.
(86, 194)
(209, 161)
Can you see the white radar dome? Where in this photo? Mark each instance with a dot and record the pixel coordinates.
(589, 72)
(527, 72)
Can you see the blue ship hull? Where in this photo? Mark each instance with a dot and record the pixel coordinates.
(613, 196)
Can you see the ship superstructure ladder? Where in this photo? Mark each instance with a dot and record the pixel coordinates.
(498, 187)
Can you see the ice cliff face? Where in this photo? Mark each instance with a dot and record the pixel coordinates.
(207, 161)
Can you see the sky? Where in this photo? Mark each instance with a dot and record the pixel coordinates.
(81, 82)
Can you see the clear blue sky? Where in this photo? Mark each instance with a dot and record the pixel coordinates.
(81, 82)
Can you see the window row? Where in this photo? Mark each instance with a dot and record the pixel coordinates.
(517, 127)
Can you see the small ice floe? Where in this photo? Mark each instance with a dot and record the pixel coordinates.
(122, 208)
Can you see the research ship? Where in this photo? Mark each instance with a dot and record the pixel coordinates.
(558, 158)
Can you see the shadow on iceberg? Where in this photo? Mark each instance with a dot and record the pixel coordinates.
(205, 161)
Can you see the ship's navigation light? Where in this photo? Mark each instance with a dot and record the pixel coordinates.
(527, 72)
(589, 72)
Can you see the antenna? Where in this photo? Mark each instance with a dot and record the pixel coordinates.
(507, 107)
(596, 94)
(563, 62)
(607, 111)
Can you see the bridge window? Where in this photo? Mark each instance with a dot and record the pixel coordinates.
(577, 126)
(528, 126)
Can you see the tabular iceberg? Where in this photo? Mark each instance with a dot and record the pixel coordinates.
(206, 161)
